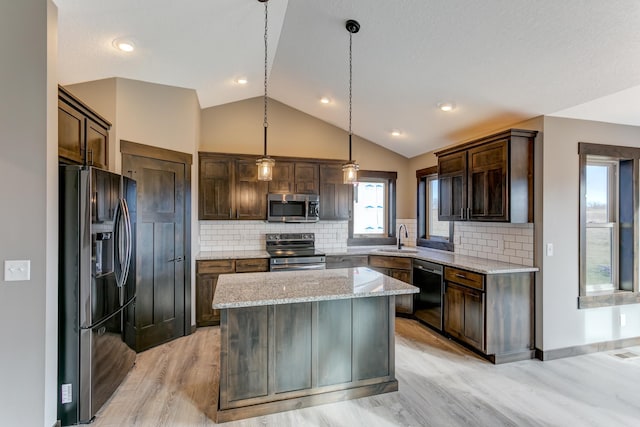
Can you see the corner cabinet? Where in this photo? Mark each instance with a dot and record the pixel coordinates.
(488, 179)
(493, 314)
(83, 135)
(399, 268)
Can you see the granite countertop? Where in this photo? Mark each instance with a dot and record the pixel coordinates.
(479, 265)
(212, 255)
(286, 287)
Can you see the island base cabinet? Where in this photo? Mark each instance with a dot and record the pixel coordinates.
(288, 356)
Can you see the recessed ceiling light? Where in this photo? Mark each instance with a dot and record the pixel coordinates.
(447, 106)
(124, 45)
(325, 100)
(396, 132)
(242, 81)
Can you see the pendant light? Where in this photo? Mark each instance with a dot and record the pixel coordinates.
(350, 169)
(265, 163)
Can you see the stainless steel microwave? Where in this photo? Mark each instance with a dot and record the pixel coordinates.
(293, 208)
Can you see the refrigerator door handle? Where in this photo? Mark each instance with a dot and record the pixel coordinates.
(128, 241)
(120, 243)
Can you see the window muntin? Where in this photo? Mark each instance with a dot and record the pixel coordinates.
(370, 208)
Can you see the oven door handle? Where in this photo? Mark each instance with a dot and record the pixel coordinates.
(292, 267)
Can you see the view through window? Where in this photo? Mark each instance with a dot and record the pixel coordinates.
(369, 208)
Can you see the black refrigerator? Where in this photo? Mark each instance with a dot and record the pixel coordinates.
(96, 285)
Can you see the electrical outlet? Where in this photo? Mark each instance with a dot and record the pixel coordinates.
(549, 249)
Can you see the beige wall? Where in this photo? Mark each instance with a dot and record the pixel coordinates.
(564, 324)
(28, 212)
(237, 128)
(151, 114)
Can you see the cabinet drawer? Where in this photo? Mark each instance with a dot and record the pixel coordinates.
(390, 262)
(252, 265)
(464, 277)
(215, 266)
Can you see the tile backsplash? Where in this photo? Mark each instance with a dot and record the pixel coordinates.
(331, 236)
(496, 241)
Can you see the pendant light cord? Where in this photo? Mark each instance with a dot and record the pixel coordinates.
(265, 123)
(350, 86)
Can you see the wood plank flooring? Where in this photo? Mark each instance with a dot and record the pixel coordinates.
(441, 384)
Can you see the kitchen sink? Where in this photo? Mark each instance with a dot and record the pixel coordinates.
(397, 251)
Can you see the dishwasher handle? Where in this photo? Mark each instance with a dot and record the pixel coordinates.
(430, 270)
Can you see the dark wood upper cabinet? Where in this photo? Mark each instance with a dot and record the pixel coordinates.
(488, 179)
(251, 194)
(229, 186)
(335, 197)
(283, 178)
(216, 180)
(307, 179)
(452, 186)
(83, 135)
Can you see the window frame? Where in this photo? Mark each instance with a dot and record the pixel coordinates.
(422, 202)
(627, 264)
(390, 239)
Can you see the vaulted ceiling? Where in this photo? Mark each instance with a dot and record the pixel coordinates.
(499, 61)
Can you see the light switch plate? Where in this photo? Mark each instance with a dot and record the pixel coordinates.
(16, 270)
(549, 249)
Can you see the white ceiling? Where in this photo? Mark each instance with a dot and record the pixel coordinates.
(500, 61)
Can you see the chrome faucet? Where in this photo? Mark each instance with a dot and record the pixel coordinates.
(406, 235)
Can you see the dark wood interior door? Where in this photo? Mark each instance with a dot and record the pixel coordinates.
(160, 260)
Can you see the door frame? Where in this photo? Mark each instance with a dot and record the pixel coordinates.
(156, 153)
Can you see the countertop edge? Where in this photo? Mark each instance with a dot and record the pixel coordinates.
(280, 301)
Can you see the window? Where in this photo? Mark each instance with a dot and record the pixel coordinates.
(432, 233)
(601, 225)
(608, 230)
(370, 208)
(374, 209)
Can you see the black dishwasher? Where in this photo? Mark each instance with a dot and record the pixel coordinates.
(427, 276)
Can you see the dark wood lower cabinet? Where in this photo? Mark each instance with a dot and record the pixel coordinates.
(399, 268)
(492, 314)
(207, 272)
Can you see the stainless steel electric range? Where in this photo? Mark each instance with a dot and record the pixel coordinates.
(294, 251)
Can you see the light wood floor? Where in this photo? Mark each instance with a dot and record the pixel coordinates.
(441, 384)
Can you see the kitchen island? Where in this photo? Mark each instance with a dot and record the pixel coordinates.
(301, 338)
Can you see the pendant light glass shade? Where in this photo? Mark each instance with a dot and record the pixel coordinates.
(265, 168)
(350, 172)
(265, 163)
(350, 169)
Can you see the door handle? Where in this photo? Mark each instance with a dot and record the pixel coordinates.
(177, 259)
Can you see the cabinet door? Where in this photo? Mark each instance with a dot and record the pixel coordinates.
(403, 275)
(70, 133)
(306, 178)
(251, 194)
(474, 318)
(97, 145)
(214, 194)
(283, 178)
(335, 197)
(487, 195)
(454, 310)
(452, 186)
(205, 289)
